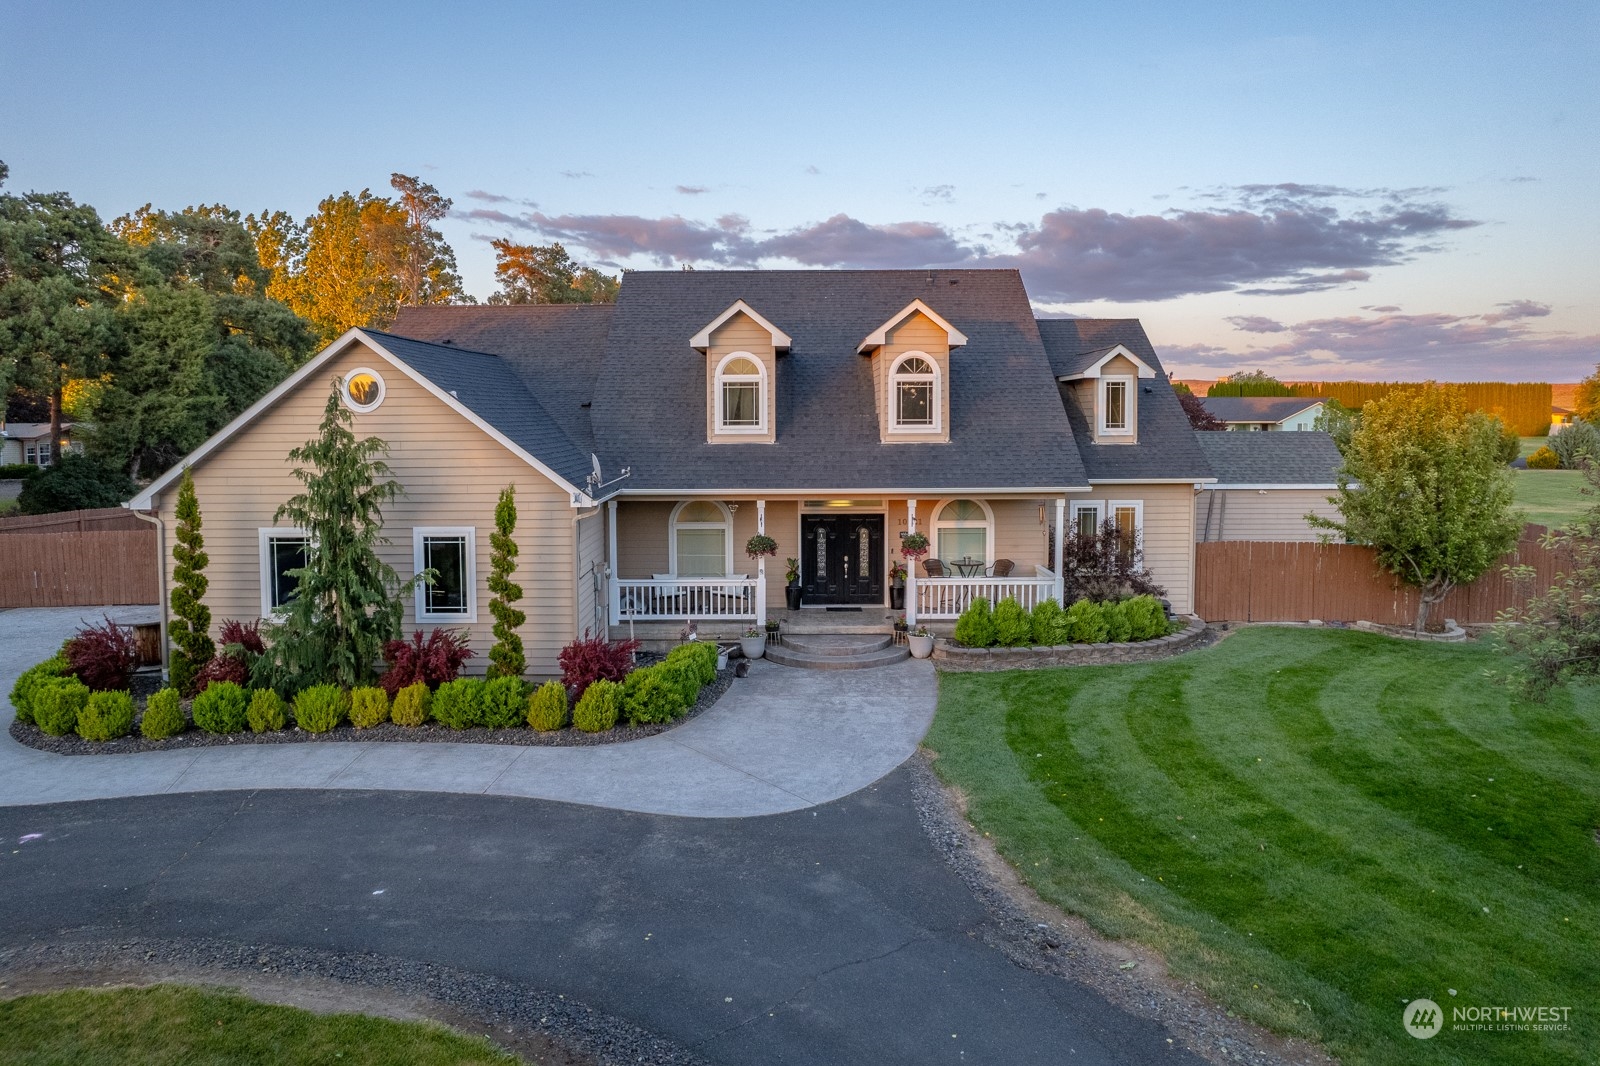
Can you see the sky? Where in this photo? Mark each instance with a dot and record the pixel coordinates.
(1321, 190)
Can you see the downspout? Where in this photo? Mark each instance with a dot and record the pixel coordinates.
(161, 571)
(577, 555)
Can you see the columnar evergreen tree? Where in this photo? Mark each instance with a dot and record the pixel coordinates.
(505, 658)
(348, 602)
(191, 627)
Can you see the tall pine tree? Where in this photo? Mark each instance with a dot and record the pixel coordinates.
(191, 630)
(505, 658)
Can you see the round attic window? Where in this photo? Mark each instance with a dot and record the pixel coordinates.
(363, 390)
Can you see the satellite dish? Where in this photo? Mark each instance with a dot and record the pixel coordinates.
(594, 462)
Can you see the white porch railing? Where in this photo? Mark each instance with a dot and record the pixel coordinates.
(947, 597)
(655, 599)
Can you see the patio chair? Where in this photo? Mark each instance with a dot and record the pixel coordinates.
(932, 568)
(1002, 568)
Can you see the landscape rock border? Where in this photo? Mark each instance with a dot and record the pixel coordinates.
(956, 657)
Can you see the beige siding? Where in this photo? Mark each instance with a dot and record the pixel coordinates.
(431, 450)
(1121, 366)
(1168, 533)
(1253, 514)
(642, 538)
(741, 333)
(917, 333)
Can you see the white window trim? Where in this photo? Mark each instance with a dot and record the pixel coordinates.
(418, 533)
(264, 536)
(1106, 429)
(721, 426)
(1138, 517)
(726, 525)
(988, 525)
(936, 401)
(349, 401)
(1096, 506)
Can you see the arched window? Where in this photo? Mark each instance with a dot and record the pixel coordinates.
(701, 542)
(963, 529)
(914, 394)
(741, 394)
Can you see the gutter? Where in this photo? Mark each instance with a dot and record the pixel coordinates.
(161, 570)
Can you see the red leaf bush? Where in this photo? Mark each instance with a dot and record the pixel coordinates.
(433, 662)
(239, 644)
(590, 659)
(103, 656)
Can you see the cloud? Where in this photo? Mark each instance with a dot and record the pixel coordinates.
(1490, 346)
(1311, 283)
(488, 197)
(842, 241)
(812, 170)
(576, 174)
(490, 214)
(693, 190)
(945, 193)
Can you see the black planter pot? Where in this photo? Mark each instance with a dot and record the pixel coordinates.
(791, 596)
(897, 597)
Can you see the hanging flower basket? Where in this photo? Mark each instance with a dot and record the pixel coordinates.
(914, 545)
(760, 545)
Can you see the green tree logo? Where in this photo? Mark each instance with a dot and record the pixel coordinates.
(1423, 1018)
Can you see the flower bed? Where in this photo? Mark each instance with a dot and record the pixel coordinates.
(955, 657)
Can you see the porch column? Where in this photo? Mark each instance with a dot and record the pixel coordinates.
(1061, 534)
(911, 567)
(614, 600)
(761, 567)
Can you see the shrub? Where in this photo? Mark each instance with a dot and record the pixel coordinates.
(221, 708)
(975, 627)
(597, 710)
(1544, 459)
(319, 708)
(547, 707)
(1119, 623)
(1104, 565)
(22, 692)
(702, 654)
(107, 716)
(17, 471)
(589, 659)
(506, 658)
(685, 674)
(1146, 618)
(1577, 441)
(411, 705)
(103, 656)
(56, 704)
(190, 627)
(163, 717)
(1049, 624)
(1086, 622)
(648, 696)
(221, 667)
(76, 483)
(239, 646)
(504, 703)
(369, 706)
(266, 712)
(433, 662)
(459, 704)
(1012, 626)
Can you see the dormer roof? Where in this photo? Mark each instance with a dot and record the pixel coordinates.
(880, 336)
(1091, 364)
(702, 340)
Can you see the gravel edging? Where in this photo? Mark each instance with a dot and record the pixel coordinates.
(30, 735)
(954, 658)
(1037, 936)
(517, 1018)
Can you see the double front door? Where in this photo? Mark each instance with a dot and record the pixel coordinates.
(841, 558)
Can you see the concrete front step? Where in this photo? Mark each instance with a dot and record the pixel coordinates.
(815, 644)
(842, 653)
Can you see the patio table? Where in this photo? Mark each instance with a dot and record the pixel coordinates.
(967, 567)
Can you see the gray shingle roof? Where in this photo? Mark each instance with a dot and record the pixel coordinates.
(489, 386)
(1007, 426)
(1257, 408)
(1242, 458)
(1166, 447)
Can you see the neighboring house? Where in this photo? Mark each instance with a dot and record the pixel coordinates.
(1560, 418)
(29, 442)
(1265, 486)
(1265, 413)
(835, 411)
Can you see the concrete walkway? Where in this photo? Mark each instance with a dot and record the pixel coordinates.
(780, 740)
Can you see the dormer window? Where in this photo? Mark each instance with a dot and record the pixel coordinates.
(914, 394)
(1114, 405)
(741, 394)
(1105, 388)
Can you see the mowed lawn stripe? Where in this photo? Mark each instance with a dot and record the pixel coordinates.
(1328, 866)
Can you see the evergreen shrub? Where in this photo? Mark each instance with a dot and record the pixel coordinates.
(598, 707)
(411, 705)
(369, 706)
(547, 707)
(221, 708)
(504, 703)
(649, 696)
(975, 627)
(163, 716)
(267, 711)
(319, 708)
(1049, 624)
(1013, 628)
(1086, 622)
(56, 704)
(22, 692)
(107, 716)
(1119, 621)
(459, 703)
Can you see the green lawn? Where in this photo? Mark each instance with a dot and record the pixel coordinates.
(1551, 497)
(1526, 446)
(166, 1024)
(1317, 826)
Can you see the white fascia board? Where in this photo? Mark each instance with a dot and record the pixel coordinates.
(1094, 371)
(702, 340)
(143, 500)
(835, 492)
(1276, 485)
(1152, 480)
(880, 336)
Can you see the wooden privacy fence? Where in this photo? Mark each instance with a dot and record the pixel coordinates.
(1271, 581)
(77, 559)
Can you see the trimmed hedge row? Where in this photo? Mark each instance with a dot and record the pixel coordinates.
(1010, 625)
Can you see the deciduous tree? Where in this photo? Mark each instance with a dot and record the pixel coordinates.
(546, 274)
(1195, 408)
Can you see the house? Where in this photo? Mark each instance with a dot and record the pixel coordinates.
(29, 442)
(1265, 486)
(648, 441)
(1265, 413)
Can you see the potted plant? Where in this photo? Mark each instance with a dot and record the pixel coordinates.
(760, 545)
(921, 642)
(914, 546)
(791, 591)
(753, 643)
(773, 626)
(897, 585)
